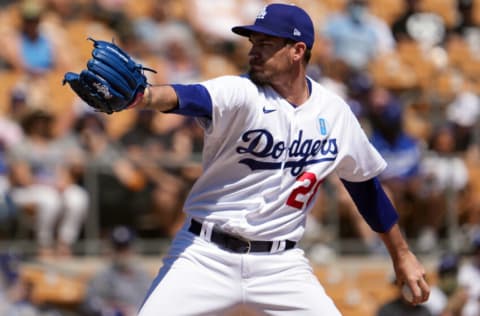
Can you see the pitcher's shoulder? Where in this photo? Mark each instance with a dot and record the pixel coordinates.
(235, 81)
(328, 96)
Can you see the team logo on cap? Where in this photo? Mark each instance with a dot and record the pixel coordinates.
(262, 14)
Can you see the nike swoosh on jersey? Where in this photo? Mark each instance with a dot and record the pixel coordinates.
(266, 111)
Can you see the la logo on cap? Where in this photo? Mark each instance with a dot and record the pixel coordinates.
(262, 13)
(281, 20)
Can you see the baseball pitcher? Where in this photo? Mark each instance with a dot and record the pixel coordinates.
(271, 138)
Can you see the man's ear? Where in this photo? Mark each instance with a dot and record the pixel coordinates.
(299, 51)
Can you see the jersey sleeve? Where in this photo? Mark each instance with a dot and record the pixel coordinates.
(230, 97)
(214, 102)
(193, 100)
(359, 160)
(373, 204)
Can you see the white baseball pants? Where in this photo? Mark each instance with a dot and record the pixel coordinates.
(70, 206)
(198, 278)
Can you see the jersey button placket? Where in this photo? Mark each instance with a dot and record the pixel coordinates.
(290, 124)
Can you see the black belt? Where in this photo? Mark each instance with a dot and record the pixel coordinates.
(235, 243)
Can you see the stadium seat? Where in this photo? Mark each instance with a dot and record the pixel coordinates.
(447, 9)
(388, 10)
(8, 79)
(51, 286)
(390, 71)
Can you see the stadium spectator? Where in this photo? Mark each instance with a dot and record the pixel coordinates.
(463, 113)
(446, 176)
(167, 212)
(211, 21)
(117, 181)
(465, 22)
(29, 48)
(188, 139)
(469, 278)
(16, 293)
(41, 183)
(142, 140)
(357, 37)
(181, 63)
(447, 298)
(426, 28)
(160, 156)
(166, 36)
(150, 139)
(334, 76)
(112, 14)
(11, 132)
(402, 152)
(119, 287)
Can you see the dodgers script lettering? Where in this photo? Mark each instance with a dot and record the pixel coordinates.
(260, 143)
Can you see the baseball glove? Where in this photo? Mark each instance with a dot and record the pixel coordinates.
(112, 81)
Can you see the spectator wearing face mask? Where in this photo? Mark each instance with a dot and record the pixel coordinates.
(357, 37)
(119, 288)
(447, 298)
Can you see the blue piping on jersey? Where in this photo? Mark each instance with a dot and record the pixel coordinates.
(309, 86)
(193, 100)
(372, 202)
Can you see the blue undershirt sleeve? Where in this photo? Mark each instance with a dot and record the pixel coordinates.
(372, 202)
(193, 100)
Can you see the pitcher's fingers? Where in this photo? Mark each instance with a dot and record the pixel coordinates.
(416, 293)
(422, 283)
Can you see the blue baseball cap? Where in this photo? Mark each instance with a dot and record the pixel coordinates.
(281, 20)
(122, 237)
(476, 241)
(449, 263)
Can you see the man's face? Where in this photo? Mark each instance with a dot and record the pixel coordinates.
(269, 58)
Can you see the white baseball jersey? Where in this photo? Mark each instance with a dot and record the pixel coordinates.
(264, 159)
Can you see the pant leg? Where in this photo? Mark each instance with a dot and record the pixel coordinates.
(75, 201)
(47, 203)
(199, 279)
(196, 279)
(283, 284)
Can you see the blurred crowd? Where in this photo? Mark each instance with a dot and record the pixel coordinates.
(409, 69)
